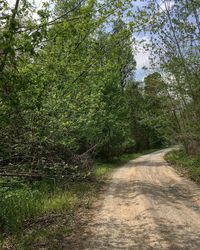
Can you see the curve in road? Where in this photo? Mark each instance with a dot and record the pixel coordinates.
(147, 206)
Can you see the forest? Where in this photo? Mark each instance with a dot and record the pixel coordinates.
(69, 98)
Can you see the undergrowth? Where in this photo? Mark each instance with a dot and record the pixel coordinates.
(186, 164)
(33, 214)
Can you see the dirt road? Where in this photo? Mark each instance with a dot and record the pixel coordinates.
(147, 206)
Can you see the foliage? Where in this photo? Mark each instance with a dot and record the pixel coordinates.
(173, 27)
(146, 122)
(24, 206)
(62, 86)
(187, 164)
(21, 201)
(68, 94)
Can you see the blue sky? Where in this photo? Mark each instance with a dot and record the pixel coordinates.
(141, 56)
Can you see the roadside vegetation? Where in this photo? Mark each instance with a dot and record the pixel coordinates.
(41, 214)
(188, 165)
(44, 213)
(69, 98)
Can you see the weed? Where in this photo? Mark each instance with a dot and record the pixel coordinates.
(40, 212)
(189, 164)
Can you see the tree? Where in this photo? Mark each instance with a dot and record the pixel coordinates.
(66, 87)
(174, 30)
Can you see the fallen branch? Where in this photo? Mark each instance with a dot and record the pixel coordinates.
(36, 176)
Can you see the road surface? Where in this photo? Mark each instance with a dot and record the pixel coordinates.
(147, 206)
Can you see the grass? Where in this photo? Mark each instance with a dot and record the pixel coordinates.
(103, 169)
(33, 215)
(39, 213)
(188, 165)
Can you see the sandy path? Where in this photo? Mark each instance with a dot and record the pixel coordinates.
(147, 206)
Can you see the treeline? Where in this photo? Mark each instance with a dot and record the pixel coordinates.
(174, 28)
(68, 92)
(67, 87)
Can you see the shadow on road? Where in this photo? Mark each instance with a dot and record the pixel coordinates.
(141, 233)
(147, 206)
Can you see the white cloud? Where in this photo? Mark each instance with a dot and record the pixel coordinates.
(142, 60)
(166, 5)
(36, 3)
(11, 3)
(142, 57)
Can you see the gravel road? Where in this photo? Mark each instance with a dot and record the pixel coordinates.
(147, 206)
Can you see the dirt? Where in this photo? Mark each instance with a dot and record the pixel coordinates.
(146, 206)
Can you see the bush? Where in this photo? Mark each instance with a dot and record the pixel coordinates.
(188, 163)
